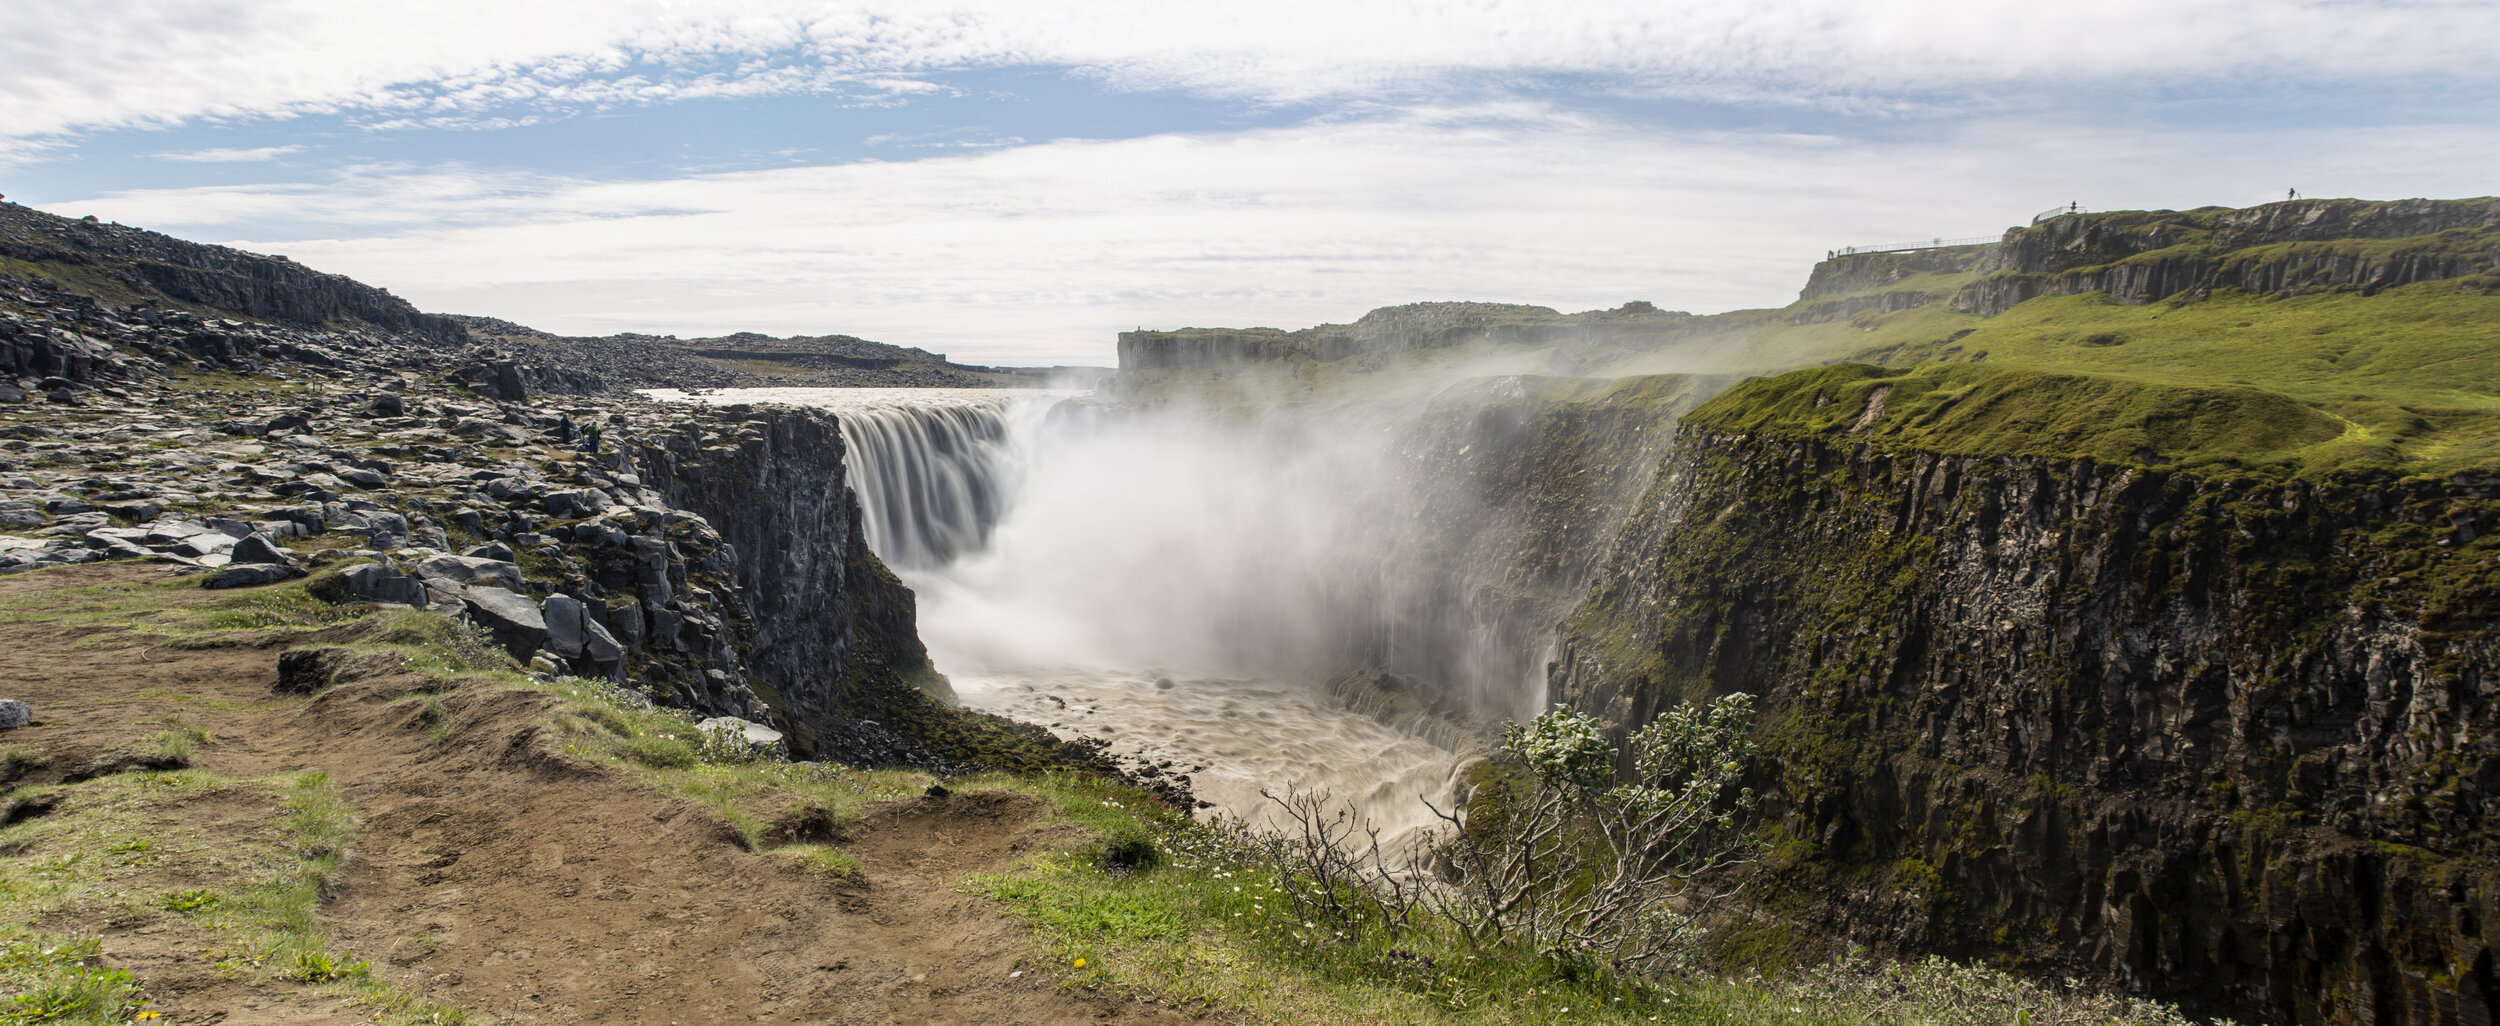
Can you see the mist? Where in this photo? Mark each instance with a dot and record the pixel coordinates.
(1268, 585)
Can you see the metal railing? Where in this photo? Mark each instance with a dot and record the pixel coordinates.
(1896, 247)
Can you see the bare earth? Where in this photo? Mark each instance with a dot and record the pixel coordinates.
(531, 888)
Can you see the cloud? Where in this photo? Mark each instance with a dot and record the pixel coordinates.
(231, 156)
(1040, 253)
(122, 63)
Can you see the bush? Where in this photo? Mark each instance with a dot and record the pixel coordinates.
(1563, 860)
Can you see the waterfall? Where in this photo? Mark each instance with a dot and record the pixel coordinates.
(931, 478)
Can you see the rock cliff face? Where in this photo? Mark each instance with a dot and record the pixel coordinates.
(824, 624)
(2278, 248)
(2227, 741)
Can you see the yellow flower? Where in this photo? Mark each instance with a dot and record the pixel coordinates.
(1080, 963)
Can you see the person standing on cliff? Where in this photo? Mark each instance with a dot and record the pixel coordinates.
(590, 439)
(565, 431)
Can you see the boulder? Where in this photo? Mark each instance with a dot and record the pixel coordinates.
(490, 550)
(15, 714)
(756, 734)
(253, 575)
(564, 625)
(362, 478)
(170, 532)
(204, 544)
(599, 647)
(514, 620)
(471, 569)
(374, 582)
(258, 548)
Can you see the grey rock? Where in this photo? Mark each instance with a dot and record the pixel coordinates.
(253, 575)
(169, 531)
(565, 623)
(490, 550)
(756, 734)
(258, 548)
(15, 714)
(625, 619)
(205, 544)
(665, 626)
(362, 478)
(374, 582)
(469, 569)
(599, 647)
(515, 621)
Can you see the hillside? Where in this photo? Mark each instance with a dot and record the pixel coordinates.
(2365, 336)
(121, 283)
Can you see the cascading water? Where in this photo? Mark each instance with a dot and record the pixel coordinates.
(931, 468)
(1183, 586)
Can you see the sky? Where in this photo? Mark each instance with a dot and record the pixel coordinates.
(1014, 182)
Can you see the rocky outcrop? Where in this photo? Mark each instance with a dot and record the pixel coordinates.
(1865, 272)
(2228, 741)
(2276, 249)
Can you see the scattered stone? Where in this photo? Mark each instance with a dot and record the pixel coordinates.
(15, 714)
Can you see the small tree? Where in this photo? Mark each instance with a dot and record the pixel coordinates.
(1570, 861)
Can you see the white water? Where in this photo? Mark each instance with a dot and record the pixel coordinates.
(1176, 585)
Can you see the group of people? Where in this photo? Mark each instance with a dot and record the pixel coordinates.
(587, 434)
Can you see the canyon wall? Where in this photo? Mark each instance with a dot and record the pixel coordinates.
(2224, 739)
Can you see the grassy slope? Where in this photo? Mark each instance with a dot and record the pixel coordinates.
(2405, 381)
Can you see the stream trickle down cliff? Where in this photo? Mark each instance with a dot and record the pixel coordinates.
(1179, 588)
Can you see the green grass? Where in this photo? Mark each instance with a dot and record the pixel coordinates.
(172, 612)
(114, 853)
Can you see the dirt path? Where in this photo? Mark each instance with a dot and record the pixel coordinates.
(530, 888)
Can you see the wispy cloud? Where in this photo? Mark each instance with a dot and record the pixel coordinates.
(1039, 253)
(76, 67)
(231, 156)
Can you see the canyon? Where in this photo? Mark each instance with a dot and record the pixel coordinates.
(2118, 596)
